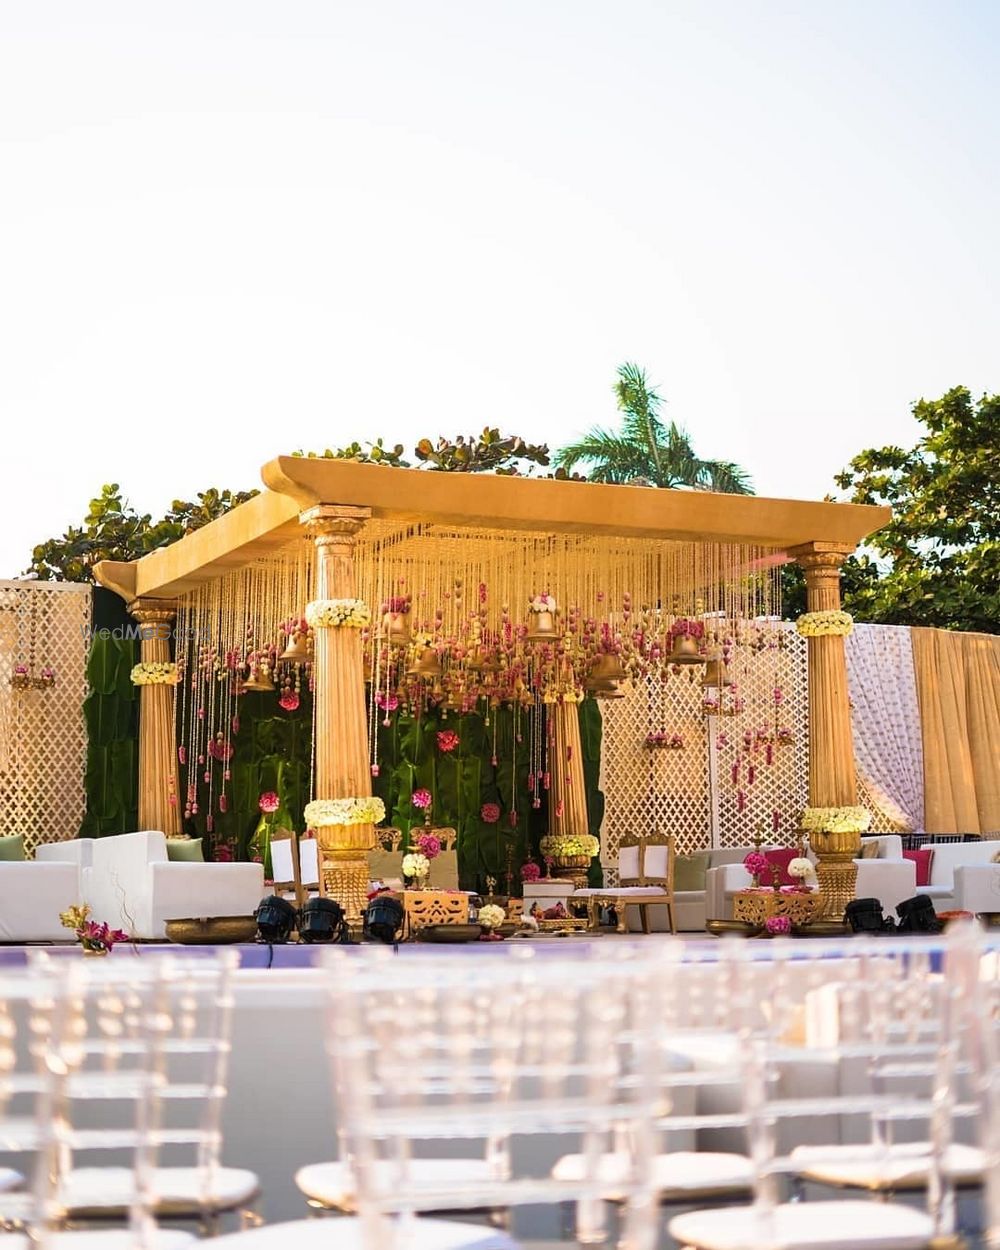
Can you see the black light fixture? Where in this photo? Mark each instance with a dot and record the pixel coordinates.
(275, 919)
(383, 918)
(323, 920)
(917, 915)
(864, 915)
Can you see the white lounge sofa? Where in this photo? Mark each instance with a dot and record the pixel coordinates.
(132, 885)
(32, 894)
(955, 862)
(888, 877)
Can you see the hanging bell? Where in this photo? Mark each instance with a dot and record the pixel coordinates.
(259, 680)
(716, 674)
(542, 627)
(296, 650)
(685, 651)
(606, 668)
(426, 665)
(605, 690)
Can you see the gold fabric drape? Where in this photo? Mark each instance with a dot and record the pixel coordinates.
(958, 686)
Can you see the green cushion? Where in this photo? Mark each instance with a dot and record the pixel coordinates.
(12, 847)
(689, 870)
(185, 851)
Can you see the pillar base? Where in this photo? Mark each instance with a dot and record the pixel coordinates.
(836, 870)
(343, 867)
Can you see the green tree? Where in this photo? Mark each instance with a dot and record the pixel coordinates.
(489, 452)
(939, 556)
(113, 530)
(647, 450)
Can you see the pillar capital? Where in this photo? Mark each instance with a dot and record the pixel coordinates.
(153, 611)
(326, 520)
(821, 564)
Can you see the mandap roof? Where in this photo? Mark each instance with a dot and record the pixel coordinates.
(270, 520)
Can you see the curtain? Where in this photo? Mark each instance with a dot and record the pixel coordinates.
(886, 720)
(958, 684)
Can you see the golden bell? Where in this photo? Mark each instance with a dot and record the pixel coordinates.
(260, 680)
(606, 668)
(296, 650)
(716, 674)
(542, 627)
(685, 651)
(426, 665)
(605, 690)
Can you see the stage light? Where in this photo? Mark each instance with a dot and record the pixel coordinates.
(864, 915)
(275, 919)
(383, 918)
(917, 915)
(322, 920)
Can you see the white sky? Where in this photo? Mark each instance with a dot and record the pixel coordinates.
(230, 229)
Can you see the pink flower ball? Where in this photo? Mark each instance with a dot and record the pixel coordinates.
(268, 802)
(778, 925)
(490, 813)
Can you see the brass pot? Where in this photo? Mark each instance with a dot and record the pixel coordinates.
(571, 861)
(346, 837)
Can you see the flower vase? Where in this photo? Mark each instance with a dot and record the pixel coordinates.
(836, 869)
(343, 855)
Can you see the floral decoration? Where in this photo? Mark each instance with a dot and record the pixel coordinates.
(268, 802)
(289, 700)
(491, 916)
(530, 872)
(490, 813)
(415, 864)
(778, 926)
(387, 702)
(756, 864)
(447, 740)
(801, 868)
(429, 845)
(154, 673)
(825, 624)
(320, 813)
(542, 603)
(91, 934)
(836, 820)
(338, 613)
(569, 844)
(421, 798)
(660, 738)
(685, 628)
(399, 605)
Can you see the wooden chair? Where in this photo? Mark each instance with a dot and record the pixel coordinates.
(646, 878)
(385, 862)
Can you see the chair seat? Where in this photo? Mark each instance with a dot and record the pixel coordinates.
(680, 1174)
(346, 1235)
(178, 1190)
(806, 1226)
(625, 891)
(905, 1165)
(103, 1239)
(332, 1184)
(9, 1179)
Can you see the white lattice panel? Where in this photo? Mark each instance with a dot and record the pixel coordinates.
(43, 740)
(690, 791)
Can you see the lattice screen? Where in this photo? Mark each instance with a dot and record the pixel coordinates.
(43, 739)
(689, 791)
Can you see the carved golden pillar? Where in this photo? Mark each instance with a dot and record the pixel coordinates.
(567, 791)
(832, 776)
(342, 770)
(157, 732)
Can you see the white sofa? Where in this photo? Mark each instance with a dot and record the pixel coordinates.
(957, 868)
(889, 877)
(33, 894)
(132, 885)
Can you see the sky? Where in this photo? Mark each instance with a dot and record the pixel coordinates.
(231, 229)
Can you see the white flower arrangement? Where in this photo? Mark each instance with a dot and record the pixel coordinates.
(801, 868)
(321, 813)
(825, 624)
(416, 864)
(542, 603)
(569, 844)
(338, 614)
(836, 820)
(154, 674)
(491, 916)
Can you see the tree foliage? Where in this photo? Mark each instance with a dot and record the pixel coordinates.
(113, 530)
(939, 556)
(646, 450)
(489, 452)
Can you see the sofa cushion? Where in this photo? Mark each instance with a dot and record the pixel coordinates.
(12, 848)
(922, 860)
(869, 848)
(690, 870)
(185, 851)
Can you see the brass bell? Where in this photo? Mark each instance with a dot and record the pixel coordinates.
(685, 651)
(259, 680)
(605, 690)
(426, 666)
(716, 673)
(606, 668)
(296, 650)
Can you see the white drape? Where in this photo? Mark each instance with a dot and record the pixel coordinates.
(886, 718)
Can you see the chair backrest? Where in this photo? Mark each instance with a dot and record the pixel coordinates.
(630, 860)
(385, 863)
(658, 855)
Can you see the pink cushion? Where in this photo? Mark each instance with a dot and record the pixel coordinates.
(780, 858)
(922, 859)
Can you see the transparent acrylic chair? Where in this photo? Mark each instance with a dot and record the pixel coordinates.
(769, 1223)
(190, 1184)
(429, 1050)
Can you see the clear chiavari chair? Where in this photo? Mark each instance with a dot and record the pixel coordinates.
(927, 1071)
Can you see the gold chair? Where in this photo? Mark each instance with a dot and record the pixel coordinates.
(646, 879)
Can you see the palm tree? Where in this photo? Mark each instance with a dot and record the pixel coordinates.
(647, 452)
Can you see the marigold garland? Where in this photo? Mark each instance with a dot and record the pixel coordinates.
(834, 624)
(321, 813)
(154, 673)
(338, 613)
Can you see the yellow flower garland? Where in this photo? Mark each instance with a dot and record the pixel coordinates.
(321, 813)
(825, 624)
(569, 844)
(154, 674)
(836, 820)
(338, 613)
